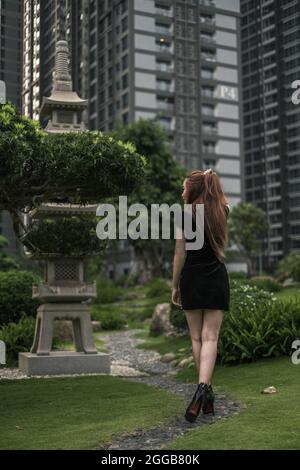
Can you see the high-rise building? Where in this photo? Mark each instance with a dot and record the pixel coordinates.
(177, 61)
(270, 33)
(45, 23)
(11, 36)
(173, 60)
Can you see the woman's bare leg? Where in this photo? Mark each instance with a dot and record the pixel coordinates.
(212, 320)
(194, 320)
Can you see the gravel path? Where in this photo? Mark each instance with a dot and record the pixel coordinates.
(151, 371)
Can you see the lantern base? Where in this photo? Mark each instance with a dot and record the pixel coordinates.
(64, 363)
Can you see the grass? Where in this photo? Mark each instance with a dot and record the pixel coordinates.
(267, 422)
(66, 345)
(287, 292)
(78, 412)
(135, 307)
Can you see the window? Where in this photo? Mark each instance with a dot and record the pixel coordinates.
(125, 81)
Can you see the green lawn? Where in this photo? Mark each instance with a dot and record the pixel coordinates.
(79, 412)
(288, 292)
(267, 422)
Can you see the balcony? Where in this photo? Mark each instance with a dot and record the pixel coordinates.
(164, 12)
(161, 30)
(165, 49)
(165, 87)
(209, 150)
(207, 76)
(165, 68)
(208, 111)
(207, 21)
(164, 106)
(167, 124)
(207, 93)
(208, 57)
(210, 130)
(207, 39)
(207, 3)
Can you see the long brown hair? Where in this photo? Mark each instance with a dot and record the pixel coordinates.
(204, 187)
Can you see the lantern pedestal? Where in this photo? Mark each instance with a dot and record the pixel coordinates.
(64, 363)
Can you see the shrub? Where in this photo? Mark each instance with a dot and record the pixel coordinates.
(66, 236)
(158, 288)
(108, 292)
(18, 337)
(257, 326)
(16, 295)
(238, 275)
(127, 280)
(267, 283)
(109, 320)
(289, 266)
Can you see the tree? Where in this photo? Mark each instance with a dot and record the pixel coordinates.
(6, 262)
(84, 167)
(245, 224)
(162, 183)
(289, 266)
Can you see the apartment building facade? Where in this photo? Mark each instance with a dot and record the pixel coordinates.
(270, 33)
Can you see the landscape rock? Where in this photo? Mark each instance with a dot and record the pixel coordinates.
(168, 357)
(160, 322)
(186, 361)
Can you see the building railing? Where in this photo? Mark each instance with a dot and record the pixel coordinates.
(164, 49)
(164, 12)
(207, 93)
(208, 39)
(210, 21)
(161, 30)
(207, 3)
(167, 125)
(208, 112)
(210, 130)
(208, 57)
(209, 150)
(162, 87)
(165, 106)
(165, 68)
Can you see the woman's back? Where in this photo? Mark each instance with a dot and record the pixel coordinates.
(205, 256)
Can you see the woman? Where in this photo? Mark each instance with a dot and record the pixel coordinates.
(200, 281)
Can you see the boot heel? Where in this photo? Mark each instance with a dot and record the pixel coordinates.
(208, 407)
(208, 402)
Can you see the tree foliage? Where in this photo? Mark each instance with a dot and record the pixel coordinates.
(245, 225)
(162, 184)
(84, 167)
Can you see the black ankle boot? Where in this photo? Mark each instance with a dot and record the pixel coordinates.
(194, 407)
(208, 401)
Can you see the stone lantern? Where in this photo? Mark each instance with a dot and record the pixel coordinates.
(63, 292)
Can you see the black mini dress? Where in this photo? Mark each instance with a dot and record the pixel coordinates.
(204, 281)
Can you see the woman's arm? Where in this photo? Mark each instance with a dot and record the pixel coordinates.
(178, 262)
